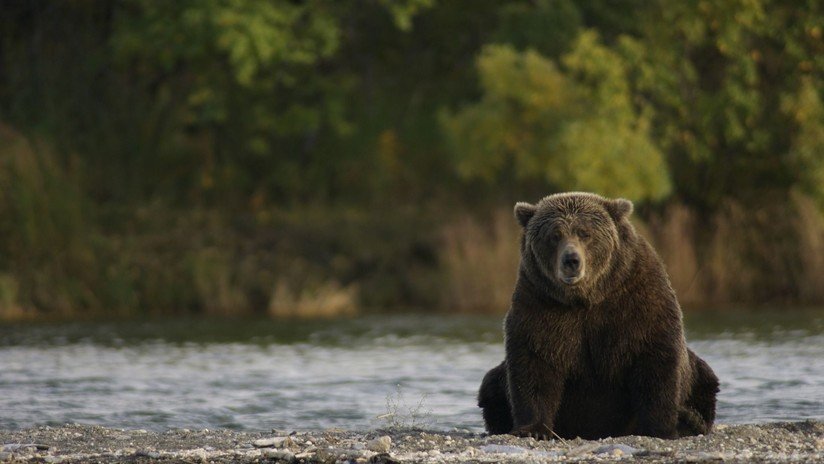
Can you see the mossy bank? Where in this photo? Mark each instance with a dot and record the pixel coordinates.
(773, 442)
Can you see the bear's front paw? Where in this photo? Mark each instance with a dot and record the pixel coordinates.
(539, 431)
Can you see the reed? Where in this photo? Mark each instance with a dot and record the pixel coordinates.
(329, 299)
(742, 255)
(215, 279)
(809, 222)
(672, 234)
(63, 256)
(754, 255)
(47, 252)
(480, 260)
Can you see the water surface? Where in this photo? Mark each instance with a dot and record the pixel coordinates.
(359, 373)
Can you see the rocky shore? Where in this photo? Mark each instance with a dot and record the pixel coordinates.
(763, 443)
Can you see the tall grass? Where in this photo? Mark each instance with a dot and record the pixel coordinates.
(741, 255)
(673, 236)
(754, 255)
(63, 256)
(329, 299)
(47, 251)
(809, 222)
(216, 282)
(480, 260)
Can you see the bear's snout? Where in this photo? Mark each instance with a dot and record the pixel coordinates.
(570, 265)
(572, 261)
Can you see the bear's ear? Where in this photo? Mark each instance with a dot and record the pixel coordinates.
(524, 212)
(618, 208)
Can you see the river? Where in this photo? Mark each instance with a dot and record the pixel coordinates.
(360, 373)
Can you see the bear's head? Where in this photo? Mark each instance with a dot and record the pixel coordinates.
(571, 244)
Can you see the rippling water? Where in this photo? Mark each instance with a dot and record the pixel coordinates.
(359, 373)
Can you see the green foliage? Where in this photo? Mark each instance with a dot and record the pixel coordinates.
(404, 10)
(575, 128)
(714, 76)
(807, 151)
(149, 147)
(251, 85)
(547, 26)
(260, 44)
(46, 248)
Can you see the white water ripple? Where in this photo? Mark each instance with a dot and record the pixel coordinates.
(342, 375)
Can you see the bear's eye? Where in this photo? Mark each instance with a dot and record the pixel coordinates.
(555, 235)
(583, 234)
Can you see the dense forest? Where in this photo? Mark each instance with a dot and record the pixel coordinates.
(317, 157)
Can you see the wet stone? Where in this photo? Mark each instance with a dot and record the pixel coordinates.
(147, 453)
(380, 444)
(777, 443)
(617, 450)
(279, 455)
(273, 442)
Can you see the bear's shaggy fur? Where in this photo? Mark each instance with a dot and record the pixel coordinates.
(594, 338)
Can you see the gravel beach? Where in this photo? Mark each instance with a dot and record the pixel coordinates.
(773, 442)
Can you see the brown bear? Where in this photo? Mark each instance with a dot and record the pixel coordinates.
(594, 336)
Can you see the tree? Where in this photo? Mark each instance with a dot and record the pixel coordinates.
(725, 84)
(251, 82)
(570, 123)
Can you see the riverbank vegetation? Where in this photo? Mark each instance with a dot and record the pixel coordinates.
(316, 158)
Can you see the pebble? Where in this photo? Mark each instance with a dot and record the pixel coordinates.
(197, 453)
(25, 447)
(280, 455)
(583, 449)
(705, 457)
(521, 452)
(145, 453)
(617, 450)
(276, 442)
(380, 444)
(342, 454)
(504, 449)
(655, 453)
(775, 443)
